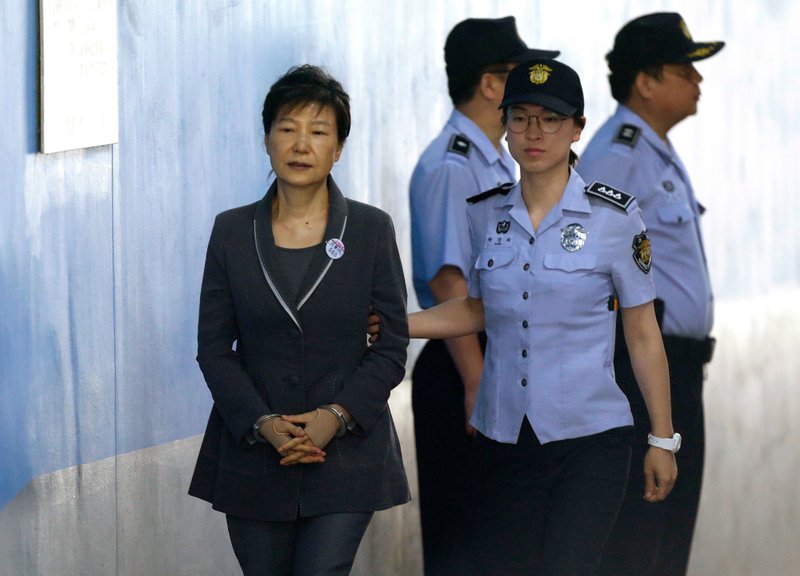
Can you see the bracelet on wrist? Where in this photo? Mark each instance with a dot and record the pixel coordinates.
(257, 426)
(339, 416)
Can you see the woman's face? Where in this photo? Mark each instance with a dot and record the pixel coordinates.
(303, 144)
(536, 151)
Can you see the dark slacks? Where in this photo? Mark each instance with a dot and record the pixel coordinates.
(324, 545)
(654, 539)
(548, 509)
(448, 463)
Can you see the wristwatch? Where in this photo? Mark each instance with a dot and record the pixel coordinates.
(672, 444)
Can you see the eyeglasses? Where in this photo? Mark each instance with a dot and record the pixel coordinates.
(548, 122)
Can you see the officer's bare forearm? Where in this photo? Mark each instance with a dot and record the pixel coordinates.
(457, 317)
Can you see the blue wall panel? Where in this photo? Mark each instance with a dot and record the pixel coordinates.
(56, 279)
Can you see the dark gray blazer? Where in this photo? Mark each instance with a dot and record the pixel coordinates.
(263, 354)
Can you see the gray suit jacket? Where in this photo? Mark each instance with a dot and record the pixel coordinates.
(262, 353)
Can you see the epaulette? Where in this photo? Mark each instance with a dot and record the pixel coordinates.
(610, 194)
(502, 189)
(460, 144)
(628, 134)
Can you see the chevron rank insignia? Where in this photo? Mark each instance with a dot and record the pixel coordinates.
(628, 134)
(459, 144)
(609, 194)
(502, 189)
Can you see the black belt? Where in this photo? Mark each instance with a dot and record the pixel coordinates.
(699, 350)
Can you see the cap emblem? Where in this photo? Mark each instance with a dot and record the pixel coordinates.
(539, 73)
(702, 52)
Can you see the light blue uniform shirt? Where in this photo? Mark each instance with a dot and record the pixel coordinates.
(459, 163)
(549, 323)
(627, 154)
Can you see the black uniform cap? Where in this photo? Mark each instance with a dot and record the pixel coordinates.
(475, 43)
(656, 39)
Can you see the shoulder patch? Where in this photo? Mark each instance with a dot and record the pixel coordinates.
(641, 252)
(460, 144)
(610, 194)
(628, 134)
(502, 189)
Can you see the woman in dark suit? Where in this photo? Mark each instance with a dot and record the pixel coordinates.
(300, 447)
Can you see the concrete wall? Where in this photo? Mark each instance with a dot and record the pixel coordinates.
(101, 253)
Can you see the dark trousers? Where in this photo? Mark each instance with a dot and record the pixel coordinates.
(324, 545)
(447, 463)
(548, 509)
(654, 539)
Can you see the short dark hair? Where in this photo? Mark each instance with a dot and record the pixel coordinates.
(463, 90)
(307, 84)
(621, 81)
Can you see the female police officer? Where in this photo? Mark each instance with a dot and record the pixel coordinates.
(553, 258)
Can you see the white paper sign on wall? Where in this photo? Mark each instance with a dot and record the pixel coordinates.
(79, 92)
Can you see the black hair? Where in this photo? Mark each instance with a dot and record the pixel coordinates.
(308, 84)
(463, 88)
(573, 157)
(462, 91)
(622, 80)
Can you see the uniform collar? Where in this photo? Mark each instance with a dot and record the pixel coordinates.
(625, 115)
(463, 125)
(574, 199)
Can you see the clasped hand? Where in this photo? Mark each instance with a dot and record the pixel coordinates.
(301, 438)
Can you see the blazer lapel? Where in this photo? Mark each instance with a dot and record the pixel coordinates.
(267, 251)
(320, 262)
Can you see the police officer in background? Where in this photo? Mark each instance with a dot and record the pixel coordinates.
(465, 159)
(656, 84)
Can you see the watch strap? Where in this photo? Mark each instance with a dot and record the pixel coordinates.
(672, 444)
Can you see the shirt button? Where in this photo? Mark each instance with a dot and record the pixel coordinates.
(524, 382)
(530, 241)
(524, 295)
(524, 353)
(294, 379)
(490, 262)
(527, 266)
(524, 323)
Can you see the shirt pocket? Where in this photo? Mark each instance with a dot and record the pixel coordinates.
(675, 215)
(494, 269)
(568, 264)
(571, 292)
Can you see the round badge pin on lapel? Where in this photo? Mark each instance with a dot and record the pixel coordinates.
(334, 248)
